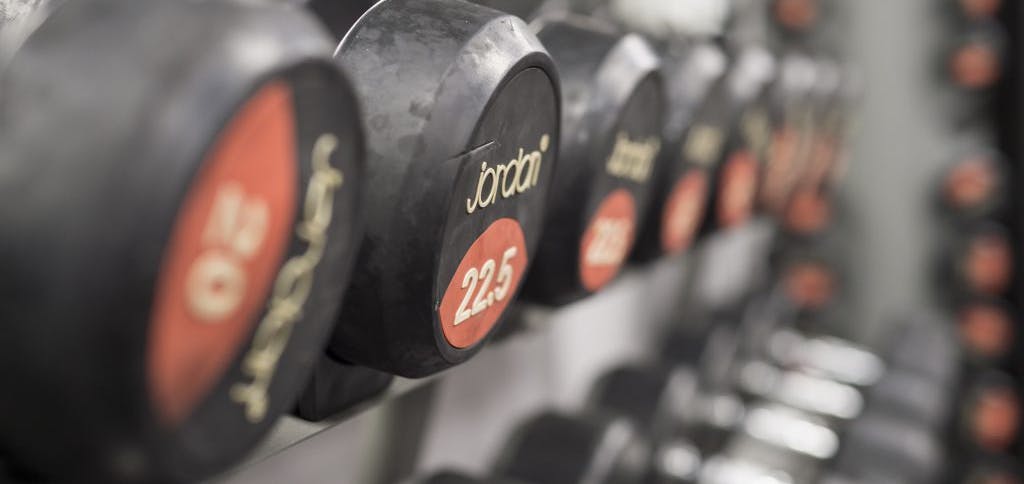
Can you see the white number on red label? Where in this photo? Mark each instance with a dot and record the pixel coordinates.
(484, 298)
(236, 230)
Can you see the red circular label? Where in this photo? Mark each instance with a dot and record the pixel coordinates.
(684, 211)
(970, 183)
(996, 418)
(975, 66)
(484, 283)
(981, 8)
(738, 189)
(608, 240)
(229, 238)
(796, 14)
(989, 264)
(808, 212)
(986, 330)
(810, 285)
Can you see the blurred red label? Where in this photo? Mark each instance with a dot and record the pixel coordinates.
(684, 210)
(229, 238)
(738, 189)
(608, 240)
(996, 419)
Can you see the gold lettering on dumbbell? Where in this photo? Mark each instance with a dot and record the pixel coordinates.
(293, 285)
(703, 144)
(216, 281)
(506, 181)
(633, 160)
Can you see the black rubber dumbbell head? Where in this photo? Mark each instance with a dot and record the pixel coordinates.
(613, 109)
(336, 388)
(180, 250)
(680, 187)
(462, 107)
(978, 262)
(973, 185)
(793, 114)
(738, 176)
(554, 448)
(990, 413)
(912, 397)
(988, 331)
(925, 344)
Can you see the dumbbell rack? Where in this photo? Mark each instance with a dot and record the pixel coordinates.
(409, 429)
(463, 417)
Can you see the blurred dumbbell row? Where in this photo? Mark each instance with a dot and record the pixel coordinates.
(773, 391)
(578, 138)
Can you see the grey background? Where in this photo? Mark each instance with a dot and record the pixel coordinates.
(902, 142)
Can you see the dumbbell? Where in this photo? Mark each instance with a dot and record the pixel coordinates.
(463, 105)
(897, 439)
(987, 330)
(912, 397)
(776, 440)
(907, 410)
(738, 175)
(991, 469)
(664, 404)
(809, 209)
(710, 347)
(979, 262)
(671, 220)
(884, 449)
(978, 9)
(555, 448)
(708, 354)
(818, 374)
(973, 186)
(797, 320)
(925, 344)
(336, 387)
(834, 358)
(723, 147)
(796, 15)
(180, 249)
(715, 156)
(613, 112)
(722, 469)
(652, 396)
(799, 389)
(974, 61)
(989, 418)
(681, 188)
(808, 212)
(811, 279)
(768, 312)
(793, 138)
(810, 283)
